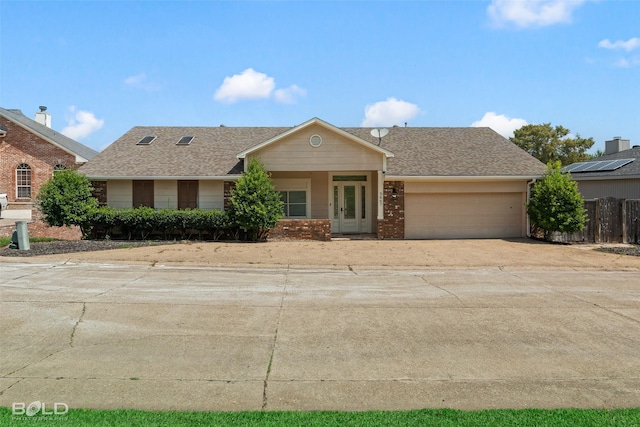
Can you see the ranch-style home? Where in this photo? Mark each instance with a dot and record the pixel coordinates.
(412, 183)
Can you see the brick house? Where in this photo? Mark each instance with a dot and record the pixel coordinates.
(410, 183)
(30, 152)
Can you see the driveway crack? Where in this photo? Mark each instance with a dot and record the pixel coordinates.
(445, 290)
(273, 343)
(73, 331)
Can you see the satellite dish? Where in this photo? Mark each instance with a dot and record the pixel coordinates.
(379, 133)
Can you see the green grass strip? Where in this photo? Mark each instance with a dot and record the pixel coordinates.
(424, 417)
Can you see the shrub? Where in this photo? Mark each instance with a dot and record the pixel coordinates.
(556, 204)
(66, 200)
(255, 205)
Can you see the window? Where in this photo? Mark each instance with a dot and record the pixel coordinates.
(59, 167)
(295, 203)
(187, 194)
(142, 193)
(23, 181)
(185, 140)
(147, 140)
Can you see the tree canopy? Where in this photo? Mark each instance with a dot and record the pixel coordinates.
(556, 204)
(552, 144)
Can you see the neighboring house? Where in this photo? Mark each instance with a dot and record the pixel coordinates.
(30, 152)
(616, 174)
(414, 183)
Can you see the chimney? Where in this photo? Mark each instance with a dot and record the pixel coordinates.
(43, 117)
(616, 145)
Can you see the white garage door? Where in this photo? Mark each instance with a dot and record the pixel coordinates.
(463, 216)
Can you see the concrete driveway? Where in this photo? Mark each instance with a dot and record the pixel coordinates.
(343, 337)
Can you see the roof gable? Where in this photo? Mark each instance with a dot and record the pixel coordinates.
(307, 124)
(81, 151)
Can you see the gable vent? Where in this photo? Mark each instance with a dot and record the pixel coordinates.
(185, 140)
(147, 140)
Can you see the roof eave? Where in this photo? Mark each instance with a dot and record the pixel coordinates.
(460, 178)
(98, 177)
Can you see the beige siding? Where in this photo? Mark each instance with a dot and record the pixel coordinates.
(165, 194)
(466, 187)
(120, 194)
(319, 195)
(620, 188)
(211, 195)
(464, 215)
(294, 153)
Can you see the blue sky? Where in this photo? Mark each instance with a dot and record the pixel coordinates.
(102, 67)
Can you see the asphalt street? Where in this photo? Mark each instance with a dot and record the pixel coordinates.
(211, 338)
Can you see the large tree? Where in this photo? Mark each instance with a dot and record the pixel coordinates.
(552, 144)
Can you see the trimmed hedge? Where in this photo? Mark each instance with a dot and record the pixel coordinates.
(144, 223)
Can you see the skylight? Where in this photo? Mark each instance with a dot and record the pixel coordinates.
(597, 166)
(146, 140)
(185, 140)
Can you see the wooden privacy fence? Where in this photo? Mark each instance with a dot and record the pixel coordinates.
(611, 220)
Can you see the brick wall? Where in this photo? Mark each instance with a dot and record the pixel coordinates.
(21, 146)
(392, 226)
(302, 229)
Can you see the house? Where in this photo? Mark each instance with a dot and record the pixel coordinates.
(412, 183)
(616, 174)
(30, 152)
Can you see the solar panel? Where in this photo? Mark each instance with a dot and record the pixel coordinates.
(597, 166)
(617, 164)
(146, 140)
(185, 140)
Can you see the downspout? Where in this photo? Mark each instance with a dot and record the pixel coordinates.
(529, 185)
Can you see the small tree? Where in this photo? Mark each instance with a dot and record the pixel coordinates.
(66, 199)
(255, 205)
(556, 204)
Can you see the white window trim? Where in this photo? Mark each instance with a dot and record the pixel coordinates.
(295, 184)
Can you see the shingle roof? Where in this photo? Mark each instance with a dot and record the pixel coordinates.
(452, 152)
(631, 169)
(472, 152)
(66, 143)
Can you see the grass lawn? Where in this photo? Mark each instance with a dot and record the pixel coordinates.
(424, 417)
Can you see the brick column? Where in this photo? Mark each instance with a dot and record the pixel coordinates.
(392, 226)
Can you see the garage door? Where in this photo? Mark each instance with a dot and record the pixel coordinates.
(463, 216)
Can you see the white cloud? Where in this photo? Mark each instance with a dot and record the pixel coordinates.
(81, 124)
(502, 124)
(388, 113)
(288, 95)
(532, 13)
(629, 45)
(249, 84)
(140, 81)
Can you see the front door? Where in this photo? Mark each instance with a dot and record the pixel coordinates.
(348, 206)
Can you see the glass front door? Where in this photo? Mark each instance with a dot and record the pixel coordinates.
(347, 207)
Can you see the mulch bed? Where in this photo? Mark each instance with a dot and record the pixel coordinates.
(69, 246)
(633, 251)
